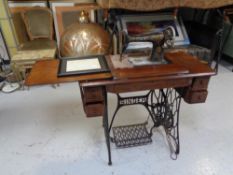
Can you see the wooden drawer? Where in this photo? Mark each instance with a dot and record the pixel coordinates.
(93, 94)
(94, 109)
(93, 101)
(195, 96)
(200, 83)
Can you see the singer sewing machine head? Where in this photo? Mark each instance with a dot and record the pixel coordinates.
(160, 40)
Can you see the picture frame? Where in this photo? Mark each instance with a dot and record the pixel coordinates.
(66, 13)
(4, 52)
(152, 23)
(82, 65)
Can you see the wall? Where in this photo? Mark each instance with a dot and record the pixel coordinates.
(7, 27)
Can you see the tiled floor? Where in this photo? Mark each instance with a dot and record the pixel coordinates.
(44, 131)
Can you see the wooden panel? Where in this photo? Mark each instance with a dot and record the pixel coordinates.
(200, 83)
(146, 71)
(195, 96)
(150, 71)
(93, 101)
(147, 85)
(94, 110)
(45, 72)
(193, 64)
(93, 94)
(193, 84)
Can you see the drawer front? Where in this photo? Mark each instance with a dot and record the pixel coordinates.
(200, 83)
(94, 110)
(93, 94)
(196, 96)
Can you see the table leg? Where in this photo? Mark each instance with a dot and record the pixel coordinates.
(163, 106)
(106, 127)
(166, 114)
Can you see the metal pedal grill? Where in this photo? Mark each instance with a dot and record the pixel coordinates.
(131, 135)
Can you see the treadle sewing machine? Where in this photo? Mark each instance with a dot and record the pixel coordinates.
(179, 76)
(185, 77)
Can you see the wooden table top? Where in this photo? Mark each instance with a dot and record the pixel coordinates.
(45, 72)
(180, 63)
(182, 66)
(143, 71)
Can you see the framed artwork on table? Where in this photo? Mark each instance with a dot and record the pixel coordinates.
(67, 13)
(82, 65)
(4, 52)
(153, 23)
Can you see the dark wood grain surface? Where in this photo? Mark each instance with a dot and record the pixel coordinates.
(180, 63)
(193, 64)
(187, 74)
(45, 72)
(183, 66)
(146, 71)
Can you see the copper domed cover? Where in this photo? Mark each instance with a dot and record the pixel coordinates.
(82, 39)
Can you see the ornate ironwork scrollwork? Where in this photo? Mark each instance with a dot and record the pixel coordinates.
(163, 106)
(165, 112)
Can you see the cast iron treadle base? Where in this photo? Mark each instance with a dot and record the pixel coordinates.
(131, 135)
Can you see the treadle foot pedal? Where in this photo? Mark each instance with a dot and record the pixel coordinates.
(131, 135)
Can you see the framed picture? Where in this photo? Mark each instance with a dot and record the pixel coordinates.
(154, 23)
(82, 65)
(67, 13)
(4, 53)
